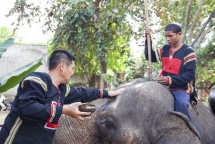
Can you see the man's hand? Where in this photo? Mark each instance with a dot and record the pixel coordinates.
(73, 111)
(163, 80)
(148, 30)
(116, 92)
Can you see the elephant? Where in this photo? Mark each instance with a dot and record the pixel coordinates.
(142, 114)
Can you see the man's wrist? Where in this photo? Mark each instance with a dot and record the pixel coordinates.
(64, 109)
(167, 81)
(103, 93)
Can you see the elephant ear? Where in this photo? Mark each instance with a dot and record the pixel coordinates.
(185, 118)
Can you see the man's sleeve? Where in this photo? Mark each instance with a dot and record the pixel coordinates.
(154, 54)
(33, 106)
(83, 94)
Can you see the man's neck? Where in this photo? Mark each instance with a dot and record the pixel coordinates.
(177, 46)
(55, 78)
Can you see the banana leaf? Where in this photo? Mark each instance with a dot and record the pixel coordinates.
(6, 44)
(13, 78)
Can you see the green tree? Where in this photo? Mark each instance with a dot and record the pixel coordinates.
(5, 33)
(206, 67)
(190, 14)
(98, 24)
(85, 29)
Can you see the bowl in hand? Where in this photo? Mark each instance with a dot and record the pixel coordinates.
(87, 107)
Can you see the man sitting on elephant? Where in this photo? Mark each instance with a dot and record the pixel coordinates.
(178, 66)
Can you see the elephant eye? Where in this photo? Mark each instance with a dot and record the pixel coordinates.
(107, 124)
(106, 128)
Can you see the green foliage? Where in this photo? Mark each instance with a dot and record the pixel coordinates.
(11, 79)
(118, 54)
(206, 99)
(82, 33)
(206, 65)
(116, 78)
(175, 11)
(76, 35)
(131, 72)
(71, 83)
(99, 31)
(112, 79)
(73, 1)
(5, 33)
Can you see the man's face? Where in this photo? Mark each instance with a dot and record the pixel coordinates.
(172, 38)
(67, 71)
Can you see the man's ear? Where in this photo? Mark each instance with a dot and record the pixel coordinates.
(61, 66)
(179, 33)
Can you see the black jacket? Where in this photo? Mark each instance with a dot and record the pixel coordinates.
(36, 110)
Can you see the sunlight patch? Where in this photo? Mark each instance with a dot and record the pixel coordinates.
(116, 102)
(138, 85)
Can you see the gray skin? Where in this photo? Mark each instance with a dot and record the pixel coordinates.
(143, 113)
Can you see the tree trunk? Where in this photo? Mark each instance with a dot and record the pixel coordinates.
(195, 21)
(202, 29)
(103, 83)
(199, 39)
(187, 19)
(94, 81)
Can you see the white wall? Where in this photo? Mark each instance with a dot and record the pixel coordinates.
(20, 55)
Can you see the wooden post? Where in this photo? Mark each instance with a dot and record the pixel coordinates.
(148, 40)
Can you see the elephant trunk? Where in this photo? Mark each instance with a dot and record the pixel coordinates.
(75, 131)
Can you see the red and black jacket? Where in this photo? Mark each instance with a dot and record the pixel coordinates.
(180, 68)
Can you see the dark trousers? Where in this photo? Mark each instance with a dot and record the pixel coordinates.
(181, 102)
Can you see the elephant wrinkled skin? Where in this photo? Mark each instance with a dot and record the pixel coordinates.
(143, 113)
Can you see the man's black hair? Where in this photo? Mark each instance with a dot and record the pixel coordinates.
(59, 56)
(174, 27)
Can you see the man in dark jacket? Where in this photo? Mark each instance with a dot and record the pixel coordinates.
(42, 98)
(178, 66)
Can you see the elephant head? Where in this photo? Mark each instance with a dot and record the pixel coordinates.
(143, 113)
